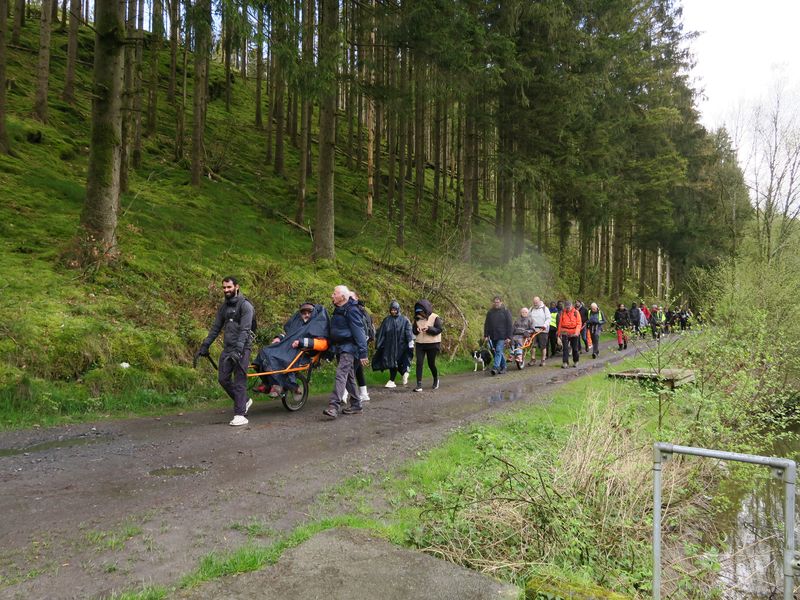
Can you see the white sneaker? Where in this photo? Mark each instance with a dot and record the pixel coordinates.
(405, 378)
(390, 384)
(248, 405)
(363, 394)
(345, 396)
(238, 421)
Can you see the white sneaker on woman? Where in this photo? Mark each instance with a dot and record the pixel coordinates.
(405, 378)
(390, 384)
(238, 421)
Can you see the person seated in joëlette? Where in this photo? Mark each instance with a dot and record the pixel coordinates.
(307, 329)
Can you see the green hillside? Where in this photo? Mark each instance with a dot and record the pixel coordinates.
(64, 332)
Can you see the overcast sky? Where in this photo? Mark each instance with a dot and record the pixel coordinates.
(744, 47)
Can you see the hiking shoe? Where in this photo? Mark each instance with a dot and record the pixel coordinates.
(574, 365)
(493, 372)
(248, 405)
(435, 384)
(352, 410)
(541, 363)
(331, 412)
(419, 387)
(625, 346)
(390, 384)
(238, 421)
(620, 346)
(594, 355)
(532, 363)
(405, 378)
(564, 365)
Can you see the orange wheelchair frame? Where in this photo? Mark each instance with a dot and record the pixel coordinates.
(294, 400)
(519, 359)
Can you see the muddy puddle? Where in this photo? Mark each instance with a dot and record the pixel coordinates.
(83, 440)
(752, 530)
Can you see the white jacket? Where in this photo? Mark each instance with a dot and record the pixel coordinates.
(541, 317)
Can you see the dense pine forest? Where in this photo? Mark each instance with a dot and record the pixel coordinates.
(452, 149)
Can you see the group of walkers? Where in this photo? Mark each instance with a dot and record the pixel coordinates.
(563, 327)
(346, 334)
(566, 328)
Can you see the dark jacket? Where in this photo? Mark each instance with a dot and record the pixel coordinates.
(279, 355)
(622, 318)
(347, 330)
(634, 315)
(393, 339)
(235, 317)
(499, 324)
(584, 312)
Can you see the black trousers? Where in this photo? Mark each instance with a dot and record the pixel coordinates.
(232, 376)
(570, 341)
(430, 352)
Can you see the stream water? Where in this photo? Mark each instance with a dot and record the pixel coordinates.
(752, 565)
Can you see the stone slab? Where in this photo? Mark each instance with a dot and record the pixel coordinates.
(352, 564)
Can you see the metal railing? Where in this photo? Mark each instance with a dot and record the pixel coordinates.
(782, 468)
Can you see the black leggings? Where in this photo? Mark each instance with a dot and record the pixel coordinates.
(430, 352)
(359, 369)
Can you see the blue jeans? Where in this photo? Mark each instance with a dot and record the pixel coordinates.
(499, 355)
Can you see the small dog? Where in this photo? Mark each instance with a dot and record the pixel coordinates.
(482, 357)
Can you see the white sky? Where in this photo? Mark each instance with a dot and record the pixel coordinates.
(744, 48)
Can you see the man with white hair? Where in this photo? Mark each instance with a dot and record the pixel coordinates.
(349, 344)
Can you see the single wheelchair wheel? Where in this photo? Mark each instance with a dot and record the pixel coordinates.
(296, 399)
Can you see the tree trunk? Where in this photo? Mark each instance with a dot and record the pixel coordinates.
(68, 95)
(642, 272)
(419, 132)
(155, 50)
(306, 110)
(202, 28)
(379, 123)
(127, 95)
(174, 15)
(437, 158)
(392, 128)
(97, 241)
(328, 53)
(402, 134)
(470, 176)
(19, 21)
(259, 65)
(180, 110)
(520, 210)
(43, 70)
(279, 32)
(270, 99)
(227, 49)
(136, 155)
(4, 145)
(370, 112)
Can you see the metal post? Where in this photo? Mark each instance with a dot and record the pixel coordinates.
(789, 480)
(656, 524)
(782, 468)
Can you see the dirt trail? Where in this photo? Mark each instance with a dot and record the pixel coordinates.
(102, 507)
